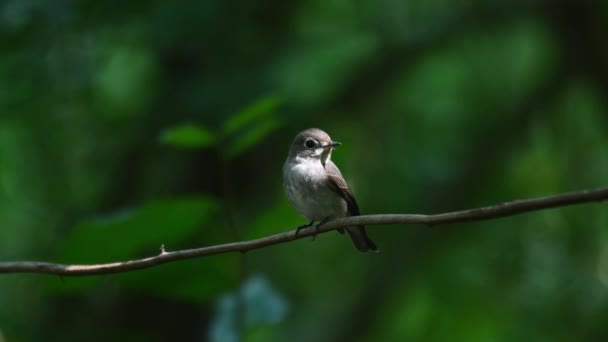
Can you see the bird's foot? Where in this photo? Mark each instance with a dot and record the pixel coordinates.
(304, 226)
(317, 226)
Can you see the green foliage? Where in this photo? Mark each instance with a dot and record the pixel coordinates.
(125, 81)
(250, 115)
(125, 234)
(249, 126)
(318, 72)
(128, 234)
(127, 126)
(241, 131)
(188, 136)
(240, 143)
(273, 219)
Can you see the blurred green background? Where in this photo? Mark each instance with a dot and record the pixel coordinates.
(127, 125)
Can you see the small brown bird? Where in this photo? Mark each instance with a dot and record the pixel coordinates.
(316, 188)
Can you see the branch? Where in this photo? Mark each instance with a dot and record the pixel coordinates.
(478, 214)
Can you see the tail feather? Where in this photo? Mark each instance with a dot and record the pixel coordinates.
(361, 240)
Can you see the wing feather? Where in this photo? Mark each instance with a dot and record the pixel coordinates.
(338, 184)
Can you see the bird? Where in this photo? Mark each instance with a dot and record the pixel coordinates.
(316, 188)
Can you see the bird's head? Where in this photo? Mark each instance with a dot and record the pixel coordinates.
(312, 143)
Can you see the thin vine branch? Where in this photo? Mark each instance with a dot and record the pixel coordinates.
(478, 214)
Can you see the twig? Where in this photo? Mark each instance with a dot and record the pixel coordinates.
(479, 214)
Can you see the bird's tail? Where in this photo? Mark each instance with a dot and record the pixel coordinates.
(361, 240)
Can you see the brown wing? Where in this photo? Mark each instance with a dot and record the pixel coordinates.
(357, 234)
(338, 184)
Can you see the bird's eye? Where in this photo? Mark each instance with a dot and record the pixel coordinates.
(310, 143)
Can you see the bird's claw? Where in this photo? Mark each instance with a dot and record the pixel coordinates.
(304, 226)
(317, 226)
(310, 224)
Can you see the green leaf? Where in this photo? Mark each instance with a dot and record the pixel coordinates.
(125, 82)
(250, 137)
(131, 233)
(251, 114)
(123, 235)
(188, 136)
(276, 219)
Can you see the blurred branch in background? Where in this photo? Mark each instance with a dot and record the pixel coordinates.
(478, 214)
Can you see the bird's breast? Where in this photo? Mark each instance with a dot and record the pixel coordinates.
(308, 191)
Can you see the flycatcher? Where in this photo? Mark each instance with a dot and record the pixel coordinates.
(315, 187)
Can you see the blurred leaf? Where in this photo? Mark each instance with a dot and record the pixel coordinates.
(537, 168)
(276, 219)
(313, 74)
(124, 235)
(264, 305)
(164, 221)
(251, 114)
(250, 137)
(126, 81)
(188, 136)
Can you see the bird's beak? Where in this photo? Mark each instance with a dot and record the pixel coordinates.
(332, 145)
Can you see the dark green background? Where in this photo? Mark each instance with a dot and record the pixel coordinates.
(125, 125)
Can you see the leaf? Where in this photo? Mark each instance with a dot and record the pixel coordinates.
(250, 114)
(125, 235)
(126, 81)
(188, 136)
(278, 218)
(249, 138)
